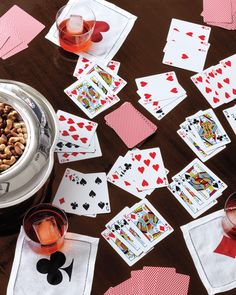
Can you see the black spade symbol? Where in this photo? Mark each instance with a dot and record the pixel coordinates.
(92, 194)
(98, 180)
(116, 227)
(159, 112)
(216, 185)
(83, 181)
(187, 176)
(177, 188)
(68, 144)
(101, 205)
(86, 206)
(125, 222)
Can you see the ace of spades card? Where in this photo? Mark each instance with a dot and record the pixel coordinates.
(63, 272)
(83, 194)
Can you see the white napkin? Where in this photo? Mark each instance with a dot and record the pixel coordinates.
(73, 269)
(202, 236)
(119, 20)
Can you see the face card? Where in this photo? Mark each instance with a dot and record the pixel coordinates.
(149, 221)
(83, 193)
(75, 129)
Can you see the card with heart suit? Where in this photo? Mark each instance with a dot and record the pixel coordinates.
(75, 129)
(113, 25)
(230, 114)
(83, 194)
(201, 180)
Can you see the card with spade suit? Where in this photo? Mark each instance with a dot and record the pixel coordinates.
(83, 194)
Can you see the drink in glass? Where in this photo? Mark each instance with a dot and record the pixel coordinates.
(229, 219)
(45, 227)
(75, 26)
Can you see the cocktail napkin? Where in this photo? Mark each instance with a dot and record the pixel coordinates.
(204, 238)
(67, 271)
(107, 43)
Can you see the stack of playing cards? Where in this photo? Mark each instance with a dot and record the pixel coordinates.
(218, 83)
(135, 231)
(196, 187)
(230, 115)
(160, 93)
(187, 45)
(220, 13)
(17, 30)
(77, 138)
(83, 194)
(97, 86)
(152, 280)
(139, 172)
(131, 126)
(204, 134)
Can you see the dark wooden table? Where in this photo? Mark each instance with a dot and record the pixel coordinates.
(141, 55)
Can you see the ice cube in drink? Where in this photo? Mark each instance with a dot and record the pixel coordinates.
(47, 230)
(75, 24)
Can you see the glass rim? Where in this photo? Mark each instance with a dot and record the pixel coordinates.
(76, 35)
(225, 207)
(49, 206)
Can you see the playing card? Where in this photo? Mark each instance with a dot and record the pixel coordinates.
(80, 193)
(149, 169)
(149, 221)
(201, 180)
(230, 114)
(75, 129)
(137, 282)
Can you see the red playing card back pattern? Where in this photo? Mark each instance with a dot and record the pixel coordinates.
(131, 126)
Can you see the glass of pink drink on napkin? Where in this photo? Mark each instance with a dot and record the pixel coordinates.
(229, 219)
(45, 227)
(75, 26)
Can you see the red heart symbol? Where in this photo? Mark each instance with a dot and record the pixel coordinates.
(117, 83)
(144, 183)
(143, 83)
(89, 127)
(138, 157)
(227, 95)
(208, 90)
(85, 59)
(174, 90)
(152, 155)
(199, 79)
(80, 71)
(147, 95)
(155, 103)
(62, 118)
(215, 99)
(189, 34)
(127, 183)
(80, 124)
(111, 235)
(226, 80)
(234, 91)
(219, 71)
(211, 75)
(146, 162)
(70, 121)
(228, 63)
(141, 169)
(74, 92)
(103, 101)
(170, 78)
(74, 154)
(100, 26)
(184, 56)
(85, 67)
(219, 85)
(65, 133)
(84, 139)
(115, 176)
(75, 136)
(72, 128)
(202, 37)
(159, 180)
(155, 167)
(112, 67)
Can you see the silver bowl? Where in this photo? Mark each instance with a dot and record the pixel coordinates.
(24, 178)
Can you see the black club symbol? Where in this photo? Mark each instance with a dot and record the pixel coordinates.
(53, 266)
(74, 205)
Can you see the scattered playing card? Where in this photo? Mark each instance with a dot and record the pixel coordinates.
(187, 45)
(83, 194)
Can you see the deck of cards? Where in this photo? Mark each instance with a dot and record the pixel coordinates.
(17, 30)
(218, 83)
(187, 45)
(204, 134)
(153, 280)
(215, 14)
(160, 93)
(196, 187)
(77, 138)
(83, 194)
(230, 115)
(135, 231)
(97, 86)
(139, 172)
